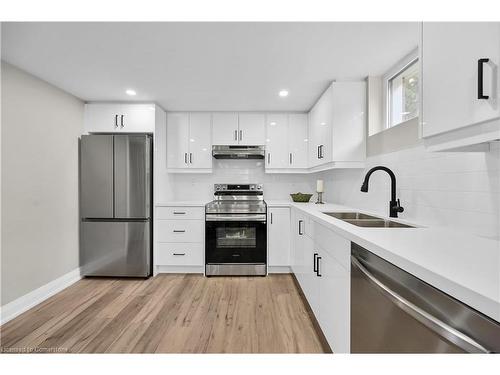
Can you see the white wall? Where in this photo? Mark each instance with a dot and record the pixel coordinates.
(451, 189)
(40, 129)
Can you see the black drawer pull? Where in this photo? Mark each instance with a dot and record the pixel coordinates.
(179, 213)
(179, 230)
(480, 66)
(180, 254)
(317, 267)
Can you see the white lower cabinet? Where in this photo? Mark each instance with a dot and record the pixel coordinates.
(318, 263)
(180, 254)
(180, 238)
(334, 301)
(278, 244)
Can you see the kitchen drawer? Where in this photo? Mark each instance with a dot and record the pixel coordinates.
(180, 231)
(337, 246)
(179, 254)
(181, 213)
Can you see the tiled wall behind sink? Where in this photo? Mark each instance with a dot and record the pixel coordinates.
(460, 190)
(201, 186)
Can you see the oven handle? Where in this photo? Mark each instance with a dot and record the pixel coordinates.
(439, 327)
(258, 217)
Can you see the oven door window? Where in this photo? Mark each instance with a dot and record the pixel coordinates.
(235, 242)
(239, 237)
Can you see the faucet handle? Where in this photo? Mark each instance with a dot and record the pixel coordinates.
(398, 206)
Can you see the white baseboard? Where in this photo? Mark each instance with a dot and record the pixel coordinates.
(179, 269)
(279, 269)
(33, 298)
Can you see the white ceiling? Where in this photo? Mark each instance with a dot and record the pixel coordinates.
(205, 66)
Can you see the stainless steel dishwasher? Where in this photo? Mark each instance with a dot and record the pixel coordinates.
(393, 311)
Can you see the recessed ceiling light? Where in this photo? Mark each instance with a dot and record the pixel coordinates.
(130, 92)
(283, 93)
(272, 123)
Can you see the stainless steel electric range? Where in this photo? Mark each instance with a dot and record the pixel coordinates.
(236, 231)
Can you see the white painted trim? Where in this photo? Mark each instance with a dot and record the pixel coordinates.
(179, 269)
(33, 298)
(279, 269)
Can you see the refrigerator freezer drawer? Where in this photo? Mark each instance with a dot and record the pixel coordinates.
(116, 248)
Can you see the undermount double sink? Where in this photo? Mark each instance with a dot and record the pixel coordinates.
(364, 220)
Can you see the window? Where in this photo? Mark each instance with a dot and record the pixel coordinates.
(402, 94)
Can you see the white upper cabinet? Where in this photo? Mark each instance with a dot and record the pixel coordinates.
(177, 140)
(337, 127)
(230, 128)
(200, 140)
(297, 140)
(225, 128)
(349, 121)
(277, 141)
(286, 142)
(189, 145)
(454, 95)
(125, 118)
(252, 129)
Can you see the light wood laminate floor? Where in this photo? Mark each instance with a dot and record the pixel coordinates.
(169, 314)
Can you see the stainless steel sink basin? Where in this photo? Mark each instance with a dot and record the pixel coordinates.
(351, 216)
(363, 220)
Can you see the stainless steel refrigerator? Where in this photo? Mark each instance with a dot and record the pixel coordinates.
(116, 205)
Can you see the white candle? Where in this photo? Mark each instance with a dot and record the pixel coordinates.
(319, 186)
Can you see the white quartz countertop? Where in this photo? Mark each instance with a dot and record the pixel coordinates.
(463, 265)
(182, 203)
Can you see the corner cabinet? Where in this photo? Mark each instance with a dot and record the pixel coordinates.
(119, 118)
(189, 146)
(286, 143)
(337, 127)
(461, 84)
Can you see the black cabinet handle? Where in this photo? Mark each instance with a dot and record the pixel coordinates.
(121, 121)
(268, 158)
(181, 254)
(179, 231)
(318, 153)
(290, 158)
(315, 268)
(190, 158)
(271, 217)
(480, 66)
(179, 213)
(185, 158)
(300, 227)
(116, 121)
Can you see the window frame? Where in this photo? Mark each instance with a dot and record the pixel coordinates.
(398, 68)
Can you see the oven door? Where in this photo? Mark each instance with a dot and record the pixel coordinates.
(235, 242)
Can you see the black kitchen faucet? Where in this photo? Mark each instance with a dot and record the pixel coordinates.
(394, 206)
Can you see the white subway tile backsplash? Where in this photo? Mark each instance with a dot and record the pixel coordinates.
(448, 189)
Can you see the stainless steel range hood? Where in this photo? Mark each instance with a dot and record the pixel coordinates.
(238, 152)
